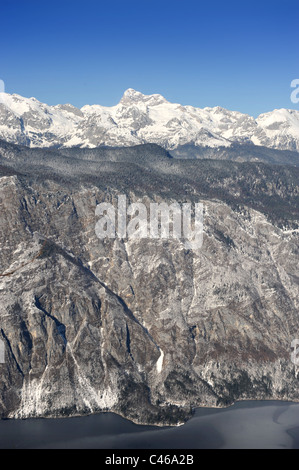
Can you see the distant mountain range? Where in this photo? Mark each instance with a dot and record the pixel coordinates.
(139, 119)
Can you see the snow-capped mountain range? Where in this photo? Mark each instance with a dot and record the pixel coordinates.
(139, 119)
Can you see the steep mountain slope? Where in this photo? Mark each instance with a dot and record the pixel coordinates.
(139, 119)
(145, 328)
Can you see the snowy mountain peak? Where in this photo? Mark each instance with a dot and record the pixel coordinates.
(138, 119)
(132, 96)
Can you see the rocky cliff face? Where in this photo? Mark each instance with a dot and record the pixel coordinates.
(145, 328)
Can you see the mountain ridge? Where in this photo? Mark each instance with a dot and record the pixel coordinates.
(139, 119)
(144, 327)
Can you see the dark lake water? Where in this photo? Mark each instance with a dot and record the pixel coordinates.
(251, 424)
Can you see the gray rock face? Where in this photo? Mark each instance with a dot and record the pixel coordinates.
(144, 328)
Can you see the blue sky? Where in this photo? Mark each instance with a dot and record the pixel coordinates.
(239, 55)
